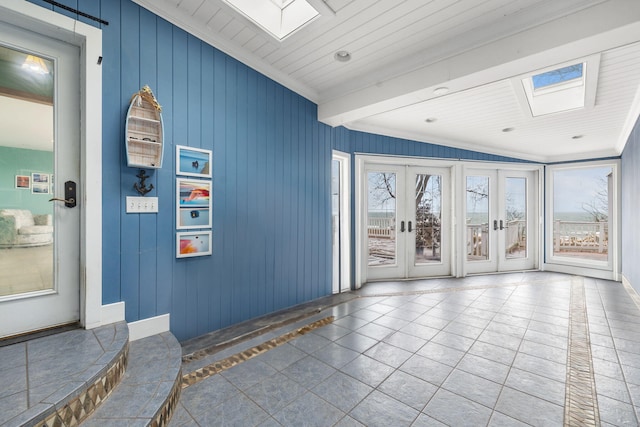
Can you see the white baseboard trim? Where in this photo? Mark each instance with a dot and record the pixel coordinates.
(112, 313)
(147, 327)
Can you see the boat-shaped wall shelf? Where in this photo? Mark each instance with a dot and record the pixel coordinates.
(144, 131)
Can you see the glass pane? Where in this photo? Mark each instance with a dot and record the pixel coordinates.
(26, 172)
(428, 198)
(516, 217)
(381, 218)
(581, 205)
(477, 218)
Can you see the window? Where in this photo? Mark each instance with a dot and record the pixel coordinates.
(581, 215)
(279, 18)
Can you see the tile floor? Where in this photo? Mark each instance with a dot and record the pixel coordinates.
(485, 350)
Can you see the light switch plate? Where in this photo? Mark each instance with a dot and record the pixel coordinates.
(142, 204)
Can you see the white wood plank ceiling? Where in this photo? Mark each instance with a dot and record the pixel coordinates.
(402, 50)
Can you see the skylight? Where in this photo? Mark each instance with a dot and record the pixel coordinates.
(279, 18)
(560, 75)
(556, 90)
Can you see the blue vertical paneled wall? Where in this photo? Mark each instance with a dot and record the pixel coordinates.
(271, 178)
(630, 200)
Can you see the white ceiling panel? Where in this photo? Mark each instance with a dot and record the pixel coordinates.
(402, 50)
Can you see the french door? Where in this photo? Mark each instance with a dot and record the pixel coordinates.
(407, 221)
(40, 224)
(500, 227)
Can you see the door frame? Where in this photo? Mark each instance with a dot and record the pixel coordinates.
(89, 39)
(344, 268)
(498, 175)
(457, 227)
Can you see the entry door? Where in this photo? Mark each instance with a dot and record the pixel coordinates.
(407, 222)
(500, 231)
(39, 142)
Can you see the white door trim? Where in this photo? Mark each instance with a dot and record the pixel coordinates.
(345, 219)
(38, 19)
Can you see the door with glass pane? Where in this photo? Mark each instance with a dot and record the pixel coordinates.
(407, 223)
(39, 146)
(500, 227)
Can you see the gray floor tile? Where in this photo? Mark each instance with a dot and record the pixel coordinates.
(332, 332)
(367, 370)
(408, 389)
(408, 315)
(458, 328)
(380, 410)
(388, 354)
(309, 411)
(309, 342)
(455, 410)
(453, 340)
(381, 308)
(426, 421)
(350, 322)
(612, 388)
(544, 351)
(536, 385)
(391, 322)
(377, 332)
(473, 387)
(440, 353)
(485, 368)
(275, 393)
(529, 409)
(493, 352)
(342, 391)
(357, 342)
(431, 321)
(14, 380)
(13, 356)
(616, 413)
(404, 341)
(239, 411)
(500, 340)
(501, 420)
(366, 314)
(308, 372)
(282, 356)
(420, 331)
(335, 355)
(347, 421)
(426, 369)
(248, 373)
(548, 339)
(12, 405)
(536, 365)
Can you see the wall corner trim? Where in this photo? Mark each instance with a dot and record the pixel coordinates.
(147, 327)
(111, 313)
(631, 291)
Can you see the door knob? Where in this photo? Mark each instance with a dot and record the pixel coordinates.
(69, 195)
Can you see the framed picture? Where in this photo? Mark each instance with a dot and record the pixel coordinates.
(193, 243)
(39, 188)
(23, 181)
(40, 178)
(193, 203)
(193, 162)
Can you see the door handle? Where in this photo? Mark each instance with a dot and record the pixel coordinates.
(402, 226)
(495, 224)
(69, 195)
(501, 225)
(409, 230)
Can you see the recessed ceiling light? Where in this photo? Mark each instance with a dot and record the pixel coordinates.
(577, 136)
(430, 119)
(442, 90)
(342, 56)
(508, 129)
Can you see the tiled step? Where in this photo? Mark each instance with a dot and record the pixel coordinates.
(150, 388)
(60, 379)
